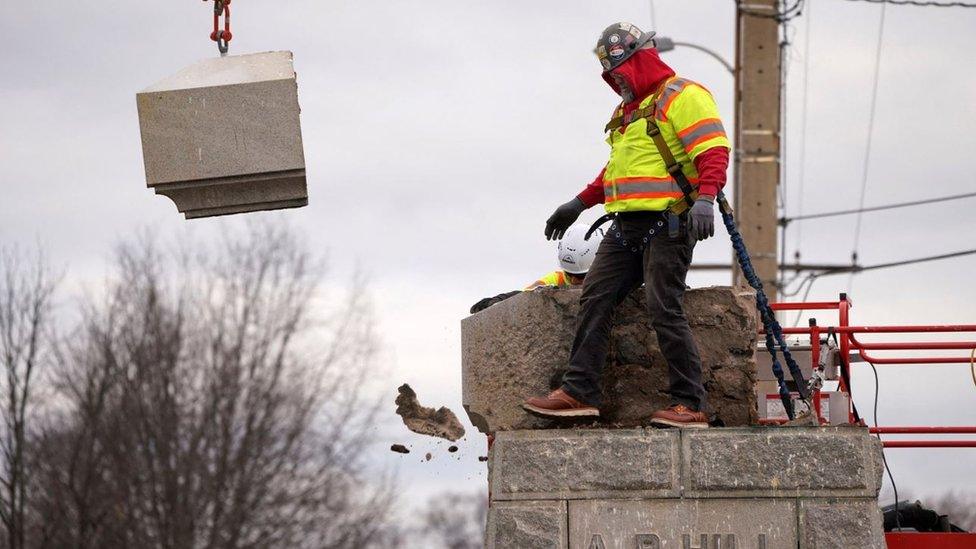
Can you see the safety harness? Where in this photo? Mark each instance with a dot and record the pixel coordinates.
(771, 327)
(673, 215)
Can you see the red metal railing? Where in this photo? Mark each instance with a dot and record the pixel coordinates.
(848, 341)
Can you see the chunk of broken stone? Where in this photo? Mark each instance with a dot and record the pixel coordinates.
(400, 449)
(222, 136)
(427, 421)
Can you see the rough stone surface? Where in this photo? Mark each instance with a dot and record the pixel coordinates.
(527, 525)
(706, 524)
(781, 462)
(573, 464)
(519, 348)
(440, 423)
(841, 524)
(223, 136)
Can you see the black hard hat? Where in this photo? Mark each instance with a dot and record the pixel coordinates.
(618, 42)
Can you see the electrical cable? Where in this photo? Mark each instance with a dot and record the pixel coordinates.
(920, 4)
(787, 220)
(857, 269)
(867, 148)
(972, 365)
(884, 460)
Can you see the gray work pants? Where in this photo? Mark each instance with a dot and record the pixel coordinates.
(615, 273)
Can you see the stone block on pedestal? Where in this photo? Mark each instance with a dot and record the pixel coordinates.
(585, 463)
(222, 136)
(519, 348)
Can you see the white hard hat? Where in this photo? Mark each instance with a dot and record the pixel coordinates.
(575, 252)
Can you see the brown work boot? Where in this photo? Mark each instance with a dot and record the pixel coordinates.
(559, 404)
(679, 415)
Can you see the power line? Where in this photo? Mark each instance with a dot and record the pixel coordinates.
(867, 149)
(854, 269)
(803, 126)
(921, 4)
(787, 220)
(858, 269)
(787, 14)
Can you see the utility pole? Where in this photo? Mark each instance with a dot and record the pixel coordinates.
(757, 140)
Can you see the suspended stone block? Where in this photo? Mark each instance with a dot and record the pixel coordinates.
(223, 136)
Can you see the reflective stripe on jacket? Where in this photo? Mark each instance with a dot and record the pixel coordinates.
(636, 178)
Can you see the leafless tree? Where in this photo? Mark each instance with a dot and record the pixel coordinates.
(455, 521)
(205, 405)
(26, 293)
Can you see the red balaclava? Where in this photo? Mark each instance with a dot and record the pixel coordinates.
(643, 73)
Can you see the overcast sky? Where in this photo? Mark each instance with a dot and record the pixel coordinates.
(439, 135)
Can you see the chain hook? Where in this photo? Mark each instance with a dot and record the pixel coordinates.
(221, 36)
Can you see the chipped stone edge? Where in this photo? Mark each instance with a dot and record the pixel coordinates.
(496, 456)
(877, 517)
(500, 505)
(870, 453)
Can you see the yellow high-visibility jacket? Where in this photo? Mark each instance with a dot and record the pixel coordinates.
(636, 178)
(555, 278)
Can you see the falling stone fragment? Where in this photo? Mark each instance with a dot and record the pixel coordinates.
(482, 458)
(222, 136)
(429, 456)
(452, 449)
(400, 449)
(427, 421)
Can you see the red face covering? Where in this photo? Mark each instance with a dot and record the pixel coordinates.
(644, 72)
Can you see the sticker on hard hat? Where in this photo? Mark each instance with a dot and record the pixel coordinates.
(605, 63)
(601, 52)
(626, 26)
(636, 33)
(617, 51)
(614, 39)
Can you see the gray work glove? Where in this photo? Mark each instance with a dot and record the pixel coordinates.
(702, 220)
(563, 217)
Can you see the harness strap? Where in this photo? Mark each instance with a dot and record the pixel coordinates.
(673, 166)
(635, 115)
(599, 222)
(654, 132)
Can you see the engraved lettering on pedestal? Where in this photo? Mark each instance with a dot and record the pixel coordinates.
(729, 541)
(648, 541)
(596, 542)
(718, 541)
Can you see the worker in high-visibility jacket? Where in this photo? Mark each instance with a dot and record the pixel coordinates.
(647, 242)
(575, 254)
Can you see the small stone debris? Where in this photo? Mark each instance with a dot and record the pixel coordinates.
(452, 449)
(428, 457)
(400, 449)
(482, 458)
(440, 423)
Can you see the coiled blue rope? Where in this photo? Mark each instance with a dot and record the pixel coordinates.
(773, 330)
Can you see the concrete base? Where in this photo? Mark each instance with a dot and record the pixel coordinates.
(745, 488)
(223, 136)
